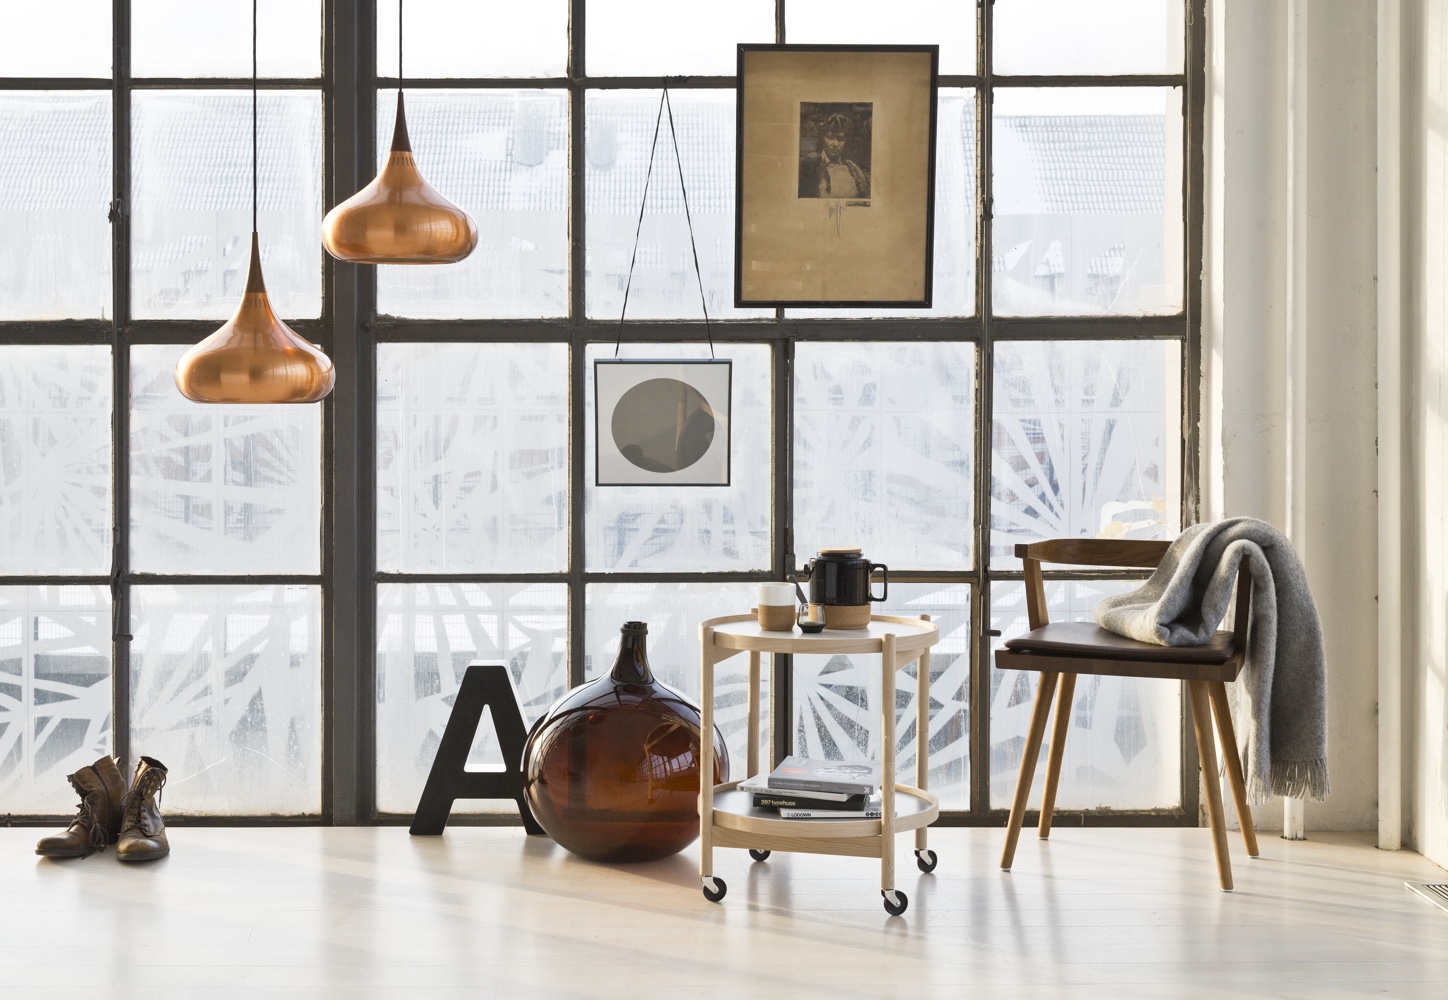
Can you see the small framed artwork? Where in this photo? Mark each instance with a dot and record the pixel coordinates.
(835, 175)
(661, 423)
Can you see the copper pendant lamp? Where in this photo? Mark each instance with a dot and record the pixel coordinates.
(254, 357)
(399, 218)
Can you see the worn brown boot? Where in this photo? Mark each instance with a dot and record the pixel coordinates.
(143, 834)
(98, 821)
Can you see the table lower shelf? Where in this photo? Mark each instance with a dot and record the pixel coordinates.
(734, 811)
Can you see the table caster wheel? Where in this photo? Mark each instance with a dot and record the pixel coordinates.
(714, 889)
(926, 861)
(758, 855)
(895, 901)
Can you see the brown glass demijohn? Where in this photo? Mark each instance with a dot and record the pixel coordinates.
(612, 770)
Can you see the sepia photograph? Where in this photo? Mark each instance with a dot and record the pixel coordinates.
(834, 150)
(835, 176)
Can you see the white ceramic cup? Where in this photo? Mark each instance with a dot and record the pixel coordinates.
(776, 595)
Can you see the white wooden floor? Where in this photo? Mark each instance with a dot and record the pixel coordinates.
(478, 913)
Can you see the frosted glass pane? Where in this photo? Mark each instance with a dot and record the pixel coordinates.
(620, 128)
(689, 528)
(953, 282)
(226, 691)
(1088, 36)
(659, 37)
(56, 39)
(947, 23)
(472, 458)
(180, 38)
(55, 692)
(502, 155)
(1086, 442)
(220, 489)
(427, 635)
(191, 228)
(55, 192)
(884, 436)
(466, 38)
(55, 460)
(1123, 747)
(1088, 201)
(673, 612)
(837, 698)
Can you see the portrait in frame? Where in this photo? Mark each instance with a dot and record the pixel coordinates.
(835, 175)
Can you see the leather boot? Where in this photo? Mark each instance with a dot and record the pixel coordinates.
(98, 820)
(143, 834)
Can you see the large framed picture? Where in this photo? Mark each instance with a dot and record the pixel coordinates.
(661, 423)
(835, 175)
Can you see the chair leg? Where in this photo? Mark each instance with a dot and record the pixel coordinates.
(1207, 751)
(1064, 700)
(1040, 713)
(1228, 736)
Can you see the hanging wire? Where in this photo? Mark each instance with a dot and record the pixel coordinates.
(664, 102)
(253, 115)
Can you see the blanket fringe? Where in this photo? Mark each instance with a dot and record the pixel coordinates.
(1291, 779)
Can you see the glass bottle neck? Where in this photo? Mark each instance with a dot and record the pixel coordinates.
(632, 665)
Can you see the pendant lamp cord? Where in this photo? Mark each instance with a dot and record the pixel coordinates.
(664, 103)
(399, 46)
(253, 115)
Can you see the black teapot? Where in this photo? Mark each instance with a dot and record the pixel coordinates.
(840, 578)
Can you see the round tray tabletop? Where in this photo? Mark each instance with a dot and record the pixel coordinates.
(743, 632)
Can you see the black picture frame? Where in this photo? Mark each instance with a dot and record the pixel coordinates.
(710, 380)
(883, 100)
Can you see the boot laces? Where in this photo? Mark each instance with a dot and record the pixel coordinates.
(86, 815)
(131, 803)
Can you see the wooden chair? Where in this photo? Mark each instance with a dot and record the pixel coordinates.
(1060, 652)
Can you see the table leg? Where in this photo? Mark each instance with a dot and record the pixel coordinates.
(887, 765)
(922, 732)
(752, 754)
(706, 752)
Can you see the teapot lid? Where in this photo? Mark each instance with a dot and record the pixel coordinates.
(840, 552)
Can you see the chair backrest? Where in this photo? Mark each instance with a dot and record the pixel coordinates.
(1132, 553)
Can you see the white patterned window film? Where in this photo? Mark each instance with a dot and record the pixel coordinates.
(55, 190)
(689, 528)
(952, 289)
(1086, 442)
(55, 692)
(191, 191)
(501, 156)
(472, 458)
(1088, 36)
(220, 489)
(226, 691)
(837, 698)
(454, 38)
(55, 460)
(1087, 201)
(673, 612)
(947, 23)
(179, 38)
(883, 451)
(657, 37)
(1123, 747)
(620, 126)
(427, 635)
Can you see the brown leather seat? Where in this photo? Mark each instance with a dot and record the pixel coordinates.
(1061, 651)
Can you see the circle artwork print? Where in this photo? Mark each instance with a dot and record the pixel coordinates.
(663, 425)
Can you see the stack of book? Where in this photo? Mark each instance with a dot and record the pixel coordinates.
(804, 788)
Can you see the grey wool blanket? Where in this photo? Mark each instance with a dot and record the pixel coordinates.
(1282, 690)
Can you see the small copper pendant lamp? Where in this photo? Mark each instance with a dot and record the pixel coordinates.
(254, 357)
(399, 218)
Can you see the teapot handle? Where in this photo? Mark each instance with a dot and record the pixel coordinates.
(885, 580)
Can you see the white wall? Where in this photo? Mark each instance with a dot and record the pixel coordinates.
(1291, 252)
(1423, 287)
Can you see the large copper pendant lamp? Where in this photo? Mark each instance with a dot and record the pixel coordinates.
(399, 218)
(254, 357)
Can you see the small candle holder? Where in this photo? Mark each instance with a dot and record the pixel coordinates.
(811, 618)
